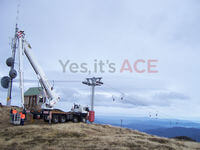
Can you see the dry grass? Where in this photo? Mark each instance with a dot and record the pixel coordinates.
(82, 136)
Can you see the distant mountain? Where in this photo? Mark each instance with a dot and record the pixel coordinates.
(145, 123)
(193, 133)
(184, 138)
(161, 127)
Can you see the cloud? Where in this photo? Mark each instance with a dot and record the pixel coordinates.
(168, 95)
(154, 98)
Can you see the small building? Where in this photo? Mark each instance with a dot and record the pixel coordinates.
(34, 97)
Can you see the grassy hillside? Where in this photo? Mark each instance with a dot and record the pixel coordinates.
(81, 136)
(176, 131)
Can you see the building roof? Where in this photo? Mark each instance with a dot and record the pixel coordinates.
(33, 91)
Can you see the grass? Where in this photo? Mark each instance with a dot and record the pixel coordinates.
(82, 136)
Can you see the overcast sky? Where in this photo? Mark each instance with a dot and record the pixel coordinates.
(112, 31)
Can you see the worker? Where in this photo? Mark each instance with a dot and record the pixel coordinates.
(11, 114)
(24, 112)
(14, 112)
(22, 119)
(11, 111)
(20, 113)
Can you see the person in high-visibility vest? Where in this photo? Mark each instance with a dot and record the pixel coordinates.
(11, 111)
(11, 114)
(22, 119)
(20, 114)
(14, 112)
(24, 112)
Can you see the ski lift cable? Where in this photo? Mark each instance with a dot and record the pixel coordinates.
(53, 81)
(112, 95)
(157, 113)
(129, 98)
(177, 121)
(115, 89)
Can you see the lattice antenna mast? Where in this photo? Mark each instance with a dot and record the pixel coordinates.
(11, 60)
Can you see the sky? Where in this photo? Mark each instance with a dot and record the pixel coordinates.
(112, 32)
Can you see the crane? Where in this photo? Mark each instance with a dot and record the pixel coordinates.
(48, 113)
(25, 47)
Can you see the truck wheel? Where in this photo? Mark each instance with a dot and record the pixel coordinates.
(83, 119)
(75, 119)
(62, 119)
(55, 119)
(34, 116)
(45, 119)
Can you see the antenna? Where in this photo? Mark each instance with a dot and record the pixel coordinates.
(18, 8)
(14, 46)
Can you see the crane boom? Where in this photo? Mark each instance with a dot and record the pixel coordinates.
(21, 73)
(51, 95)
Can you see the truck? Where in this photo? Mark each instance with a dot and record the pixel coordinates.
(77, 114)
(48, 113)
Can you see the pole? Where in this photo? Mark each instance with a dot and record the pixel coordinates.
(92, 98)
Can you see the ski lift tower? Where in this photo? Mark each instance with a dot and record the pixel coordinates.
(95, 81)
